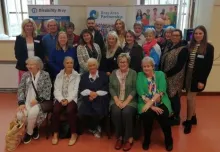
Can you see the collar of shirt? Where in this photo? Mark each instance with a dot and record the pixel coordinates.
(36, 76)
(96, 75)
(68, 76)
(53, 36)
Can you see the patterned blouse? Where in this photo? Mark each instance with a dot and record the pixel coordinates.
(122, 79)
(66, 80)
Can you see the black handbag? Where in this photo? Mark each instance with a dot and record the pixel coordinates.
(46, 105)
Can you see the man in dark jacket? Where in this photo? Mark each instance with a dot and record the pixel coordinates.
(98, 39)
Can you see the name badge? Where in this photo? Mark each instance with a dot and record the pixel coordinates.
(200, 56)
(37, 41)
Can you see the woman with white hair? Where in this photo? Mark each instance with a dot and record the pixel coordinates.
(113, 49)
(151, 48)
(122, 88)
(66, 94)
(93, 89)
(27, 44)
(151, 89)
(27, 99)
(167, 37)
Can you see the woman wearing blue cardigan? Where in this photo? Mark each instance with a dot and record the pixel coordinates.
(57, 56)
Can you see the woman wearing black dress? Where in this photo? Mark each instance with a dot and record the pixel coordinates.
(113, 49)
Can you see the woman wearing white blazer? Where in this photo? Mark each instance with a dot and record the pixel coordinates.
(66, 94)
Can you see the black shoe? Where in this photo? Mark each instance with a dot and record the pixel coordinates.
(174, 121)
(36, 133)
(27, 138)
(193, 121)
(169, 147)
(169, 143)
(188, 127)
(145, 146)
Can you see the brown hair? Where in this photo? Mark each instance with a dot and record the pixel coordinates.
(85, 31)
(123, 27)
(132, 34)
(203, 44)
(58, 47)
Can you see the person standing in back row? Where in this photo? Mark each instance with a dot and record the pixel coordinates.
(97, 36)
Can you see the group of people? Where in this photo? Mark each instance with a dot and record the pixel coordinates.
(133, 72)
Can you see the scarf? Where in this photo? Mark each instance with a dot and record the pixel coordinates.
(148, 46)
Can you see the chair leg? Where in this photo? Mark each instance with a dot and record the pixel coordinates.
(47, 126)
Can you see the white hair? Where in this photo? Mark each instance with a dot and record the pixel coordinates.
(51, 20)
(148, 59)
(93, 60)
(37, 60)
(169, 28)
(150, 30)
(68, 58)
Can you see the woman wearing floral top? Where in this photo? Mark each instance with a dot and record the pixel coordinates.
(153, 102)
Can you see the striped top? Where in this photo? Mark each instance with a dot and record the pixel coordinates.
(193, 56)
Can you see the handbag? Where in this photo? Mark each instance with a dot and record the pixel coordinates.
(46, 105)
(15, 133)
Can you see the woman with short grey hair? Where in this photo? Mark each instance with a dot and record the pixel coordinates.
(27, 100)
(122, 88)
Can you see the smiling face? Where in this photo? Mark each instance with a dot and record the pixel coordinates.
(129, 38)
(28, 28)
(123, 64)
(111, 41)
(148, 68)
(198, 35)
(68, 65)
(62, 39)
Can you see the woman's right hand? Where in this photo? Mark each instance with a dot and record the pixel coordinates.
(158, 110)
(118, 103)
(21, 108)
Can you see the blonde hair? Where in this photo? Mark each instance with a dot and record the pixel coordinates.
(58, 47)
(124, 55)
(115, 35)
(149, 31)
(26, 21)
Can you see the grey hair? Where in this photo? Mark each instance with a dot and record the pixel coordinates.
(169, 28)
(92, 60)
(150, 30)
(148, 59)
(51, 20)
(37, 60)
(124, 55)
(68, 58)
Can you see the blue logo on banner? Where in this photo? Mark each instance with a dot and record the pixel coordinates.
(94, 13)
(34, 10)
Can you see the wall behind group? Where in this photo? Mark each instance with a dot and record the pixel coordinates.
(78, 16)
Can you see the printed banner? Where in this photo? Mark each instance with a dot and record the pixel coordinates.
(41, 13)
(147, 15)
(106, 17)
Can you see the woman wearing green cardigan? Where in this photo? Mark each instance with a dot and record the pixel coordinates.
(122, 88)
(153, 102)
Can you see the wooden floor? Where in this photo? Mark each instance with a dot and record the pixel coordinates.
(205, 137)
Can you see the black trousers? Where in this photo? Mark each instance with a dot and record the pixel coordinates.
(91, 121)
(176, 105)
(148, 119)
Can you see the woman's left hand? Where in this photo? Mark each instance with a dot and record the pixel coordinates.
(33, 102)
(124, 104)
(200, 85)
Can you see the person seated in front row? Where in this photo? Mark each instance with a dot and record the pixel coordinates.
(66, 94)
(93, 88)
(28, 105)
(123, 104)
(153, 102)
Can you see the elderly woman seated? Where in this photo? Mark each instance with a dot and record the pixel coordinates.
(27, 100)
(93, 88)
(153, 102)
(123, 104)
(66, 93)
